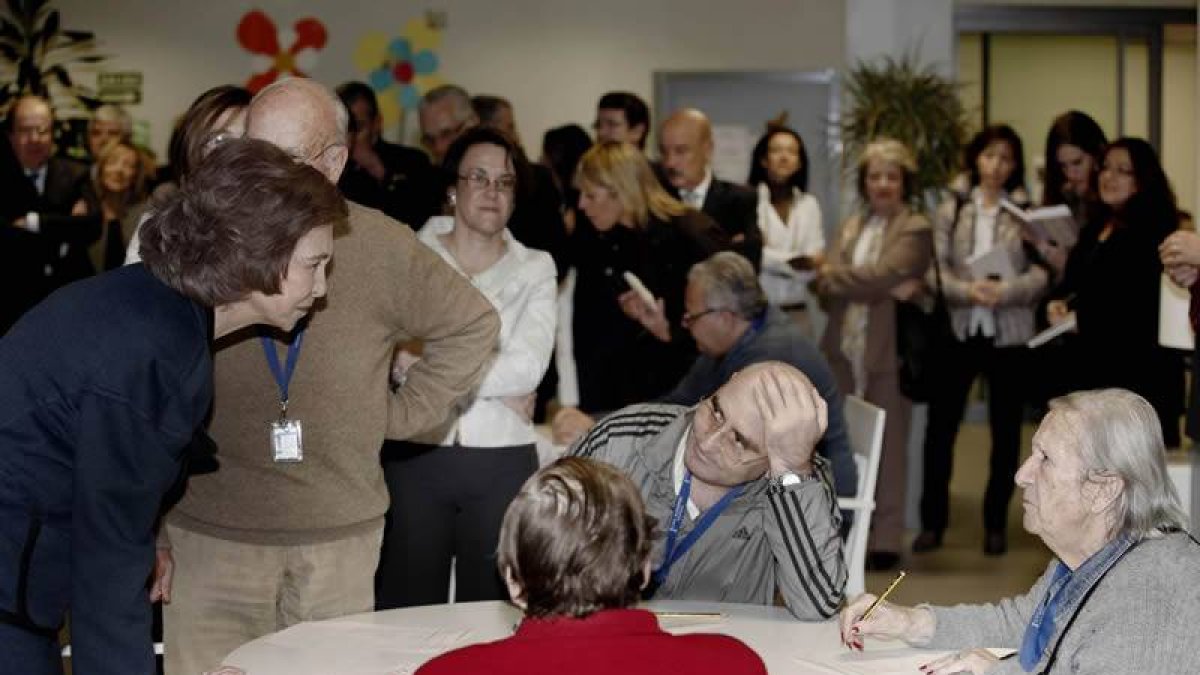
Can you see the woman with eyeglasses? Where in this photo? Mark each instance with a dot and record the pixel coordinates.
(449, 487)
(1112, 284)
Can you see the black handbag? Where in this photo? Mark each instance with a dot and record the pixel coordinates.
(921, 339)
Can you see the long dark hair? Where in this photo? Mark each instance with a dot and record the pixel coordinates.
(987, 136)
(1070, 128)
(1153, 204)
(758, 172)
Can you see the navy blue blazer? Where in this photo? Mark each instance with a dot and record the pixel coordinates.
(102, 386)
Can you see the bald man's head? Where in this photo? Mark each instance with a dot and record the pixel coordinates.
(686, 146)
(305, 119)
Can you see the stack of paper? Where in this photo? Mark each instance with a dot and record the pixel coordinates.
(994, 263)
(1047, 224)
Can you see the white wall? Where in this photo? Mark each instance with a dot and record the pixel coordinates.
(552, 58)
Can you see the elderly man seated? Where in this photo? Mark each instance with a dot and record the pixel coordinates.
(1122, 595)
(574, 551)
(747, 506)
(726, 312)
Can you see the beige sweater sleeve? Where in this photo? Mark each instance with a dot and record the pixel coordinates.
(458, 328)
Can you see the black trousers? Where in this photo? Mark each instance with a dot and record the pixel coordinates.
(1004, 370)
(447, 502)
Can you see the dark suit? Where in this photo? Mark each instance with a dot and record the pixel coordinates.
(36, 263)
(735, 208)
(409, 191)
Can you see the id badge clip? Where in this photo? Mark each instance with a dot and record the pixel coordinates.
(287, 437)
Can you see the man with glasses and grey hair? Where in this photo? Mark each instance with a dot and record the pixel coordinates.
(444, 112)
(289, 528)
(747, 506)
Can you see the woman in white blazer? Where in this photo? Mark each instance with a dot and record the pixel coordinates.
(450, 487)
(790, 220)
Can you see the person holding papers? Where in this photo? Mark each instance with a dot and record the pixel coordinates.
(1112, 284)
(1074, 150)
(1121, 594)
(992, 287)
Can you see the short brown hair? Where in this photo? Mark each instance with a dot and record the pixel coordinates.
(576, 538)
(623, 170)
(231, 227)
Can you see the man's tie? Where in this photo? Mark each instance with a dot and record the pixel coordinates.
(33, 178)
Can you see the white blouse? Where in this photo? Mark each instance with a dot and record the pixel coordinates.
(521, 286)
(800, 235)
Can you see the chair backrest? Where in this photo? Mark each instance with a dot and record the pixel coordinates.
(864, 424)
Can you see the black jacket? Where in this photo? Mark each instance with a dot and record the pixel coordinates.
(92, 433)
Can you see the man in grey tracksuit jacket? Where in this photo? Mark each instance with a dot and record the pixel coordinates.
(781, 532)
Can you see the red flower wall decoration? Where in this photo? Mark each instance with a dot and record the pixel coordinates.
(257, 34)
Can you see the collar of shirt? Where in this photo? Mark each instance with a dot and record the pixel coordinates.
(439, 225)
(38, 176)
(678, 468)
(700, 192)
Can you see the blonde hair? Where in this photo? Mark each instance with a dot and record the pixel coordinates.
(136, 192)
(621, 169)
(890, 151)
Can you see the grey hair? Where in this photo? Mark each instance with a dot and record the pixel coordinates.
(729, 282)
(453, 93)
(110, 112)
(1119, 435)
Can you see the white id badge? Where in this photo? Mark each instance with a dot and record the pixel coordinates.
(287, 443)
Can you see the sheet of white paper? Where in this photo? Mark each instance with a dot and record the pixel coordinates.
(733, 146)
(351, 648)
(993, 262)
(1174, 327)
(898, 661)
(1068, 324)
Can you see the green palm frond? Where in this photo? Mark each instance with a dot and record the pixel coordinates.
(36, 53)
(896, 97)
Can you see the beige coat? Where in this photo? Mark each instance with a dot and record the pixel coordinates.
(905, 254)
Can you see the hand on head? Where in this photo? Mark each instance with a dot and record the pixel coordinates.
(793, 414)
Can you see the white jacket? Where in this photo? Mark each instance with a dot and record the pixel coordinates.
(521, 286)
(800, 235)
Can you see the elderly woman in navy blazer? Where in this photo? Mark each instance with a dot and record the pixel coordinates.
(91, 439)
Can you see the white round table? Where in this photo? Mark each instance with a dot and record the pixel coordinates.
(398, 641)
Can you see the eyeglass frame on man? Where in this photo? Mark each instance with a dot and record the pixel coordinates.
(428, 139)
(740, 442)
(688, 319)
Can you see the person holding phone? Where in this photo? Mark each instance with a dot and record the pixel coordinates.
(626, 349)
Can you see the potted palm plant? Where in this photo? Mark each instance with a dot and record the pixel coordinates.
(898, 98)
(36, 52)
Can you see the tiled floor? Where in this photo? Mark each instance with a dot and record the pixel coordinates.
(959, 571)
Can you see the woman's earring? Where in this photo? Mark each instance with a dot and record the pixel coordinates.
(453, 198)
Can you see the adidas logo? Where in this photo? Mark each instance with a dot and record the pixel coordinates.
(742, 533)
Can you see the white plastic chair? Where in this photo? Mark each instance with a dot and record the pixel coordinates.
(864, 423)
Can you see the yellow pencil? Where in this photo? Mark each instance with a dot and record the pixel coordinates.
(883, 596)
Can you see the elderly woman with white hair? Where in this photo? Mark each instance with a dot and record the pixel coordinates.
(1123, 593)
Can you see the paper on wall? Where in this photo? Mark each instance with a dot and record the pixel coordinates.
(733, 146)
(1174, 326)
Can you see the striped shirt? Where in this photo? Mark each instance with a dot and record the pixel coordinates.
(769, 538)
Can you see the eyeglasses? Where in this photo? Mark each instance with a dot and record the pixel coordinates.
(743, 451)
(688, 318)
(309, 159)
(479, 179)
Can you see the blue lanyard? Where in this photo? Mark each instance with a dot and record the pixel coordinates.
(673, 552)
(283, 377)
